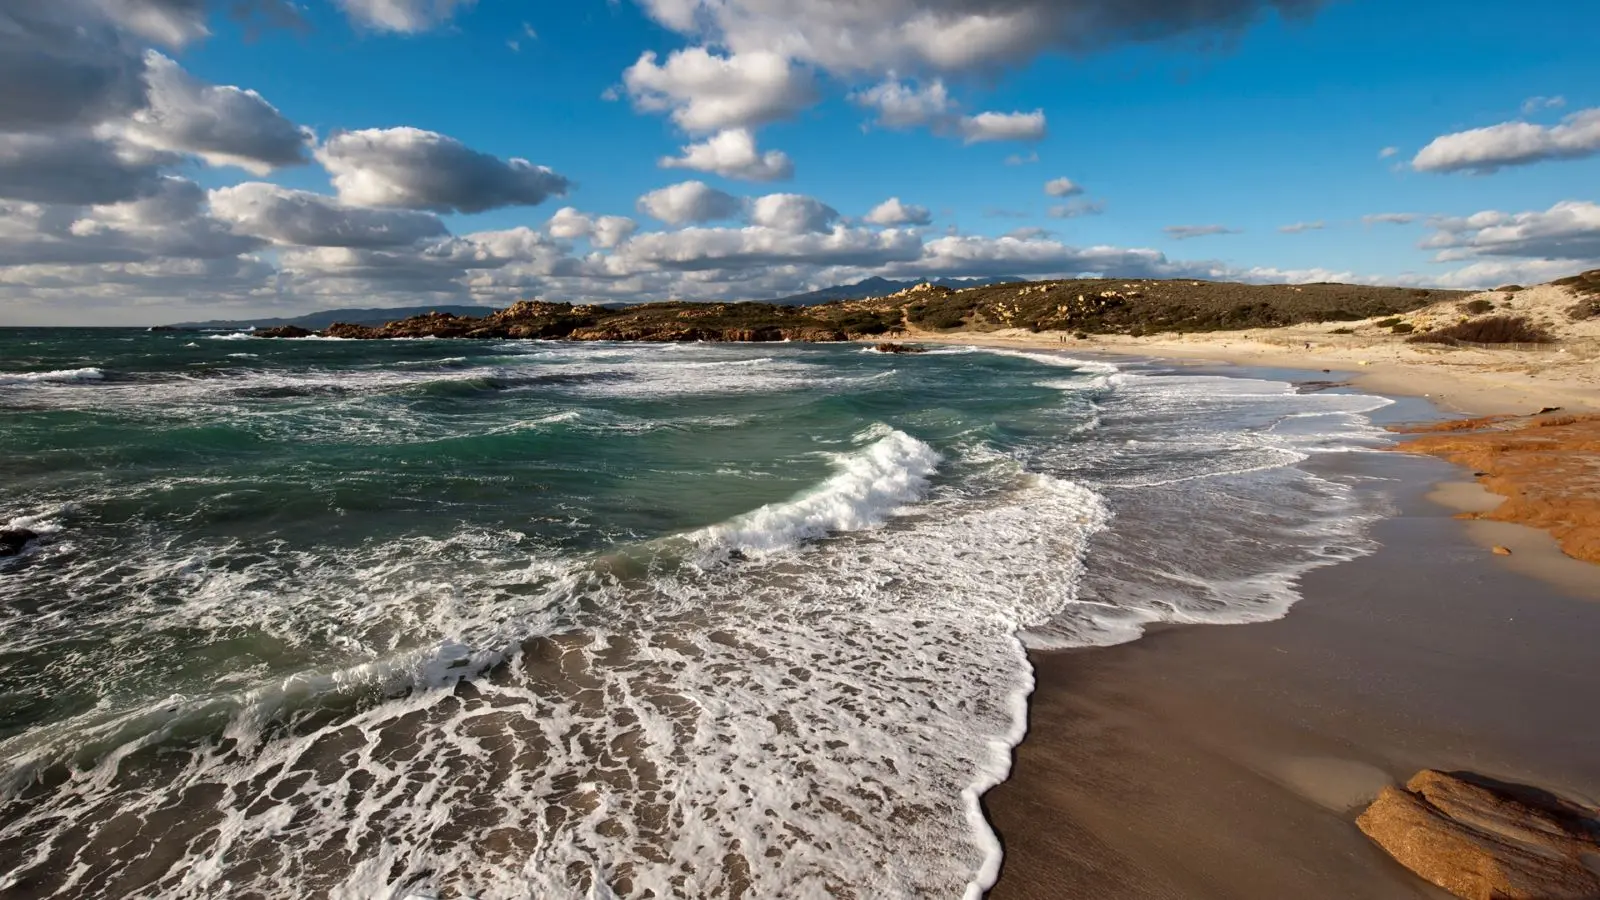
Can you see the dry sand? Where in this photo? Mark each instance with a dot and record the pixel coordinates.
(1458, 379)
(1230, 761)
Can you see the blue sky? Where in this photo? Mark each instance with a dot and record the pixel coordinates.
(361, 152)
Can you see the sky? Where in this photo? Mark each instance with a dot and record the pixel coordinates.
(165, 160)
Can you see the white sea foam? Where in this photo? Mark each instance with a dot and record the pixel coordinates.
(814, 716)
(60, 376)
(868, 486)
(235, 336)
(1054, 359)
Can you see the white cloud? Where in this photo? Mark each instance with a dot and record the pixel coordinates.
(286, 216)
(1391, 218)
(793, 213)
(705, 92)
(725, 248)
(1387, 152)
(78, 67)
(601, 231)
(170, 221)
(1017, 159)
(892, 212)
(1300, 227)
(850, 37)
(732, 154)
(898, 105)
(691, 201)
(1569, 230)
(1485, 150)
(1539, 104)
(995, 126)
(1077, 208)
(403, 16)
(416, 169)
(1186, 232)
(222, 125)
(1062, 187)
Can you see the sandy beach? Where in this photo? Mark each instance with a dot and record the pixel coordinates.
(1231, 762)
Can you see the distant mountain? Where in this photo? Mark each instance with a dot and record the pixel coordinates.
(317, 321)
(881, 287)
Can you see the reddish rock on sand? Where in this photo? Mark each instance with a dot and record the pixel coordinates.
(1483, 840)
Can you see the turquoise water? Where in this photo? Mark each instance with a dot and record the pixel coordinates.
(504, 619)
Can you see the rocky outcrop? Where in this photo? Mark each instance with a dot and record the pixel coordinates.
(283, 331)
(1547, 466)
(14, 540)
(898, 348)
(1485, 840)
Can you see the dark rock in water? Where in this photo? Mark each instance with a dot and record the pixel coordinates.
(1548, 409)
(284, 331)
(1487, 840)
(12, 540)
(161, 328)
(898, 348)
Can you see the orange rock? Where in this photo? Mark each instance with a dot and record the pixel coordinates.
(1484, 840)
(1547, 467)
(1502, 551)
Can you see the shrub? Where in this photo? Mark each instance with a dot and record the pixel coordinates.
(1342, 315)
(1343, 331)
(1492, 330)
(1389, 322)
(1402, 328)
(1510, 288)
(1477, 307)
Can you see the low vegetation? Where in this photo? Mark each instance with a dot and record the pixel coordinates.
(1587, 287)
(1477, 307)
(1491, 330)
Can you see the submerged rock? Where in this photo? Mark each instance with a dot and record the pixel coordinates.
(1485, 840)
(13, 540)
(898, 348)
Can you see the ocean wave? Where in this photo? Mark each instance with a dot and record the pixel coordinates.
(59, 376)
(868, 486)
(235, 336)
(1055, 359)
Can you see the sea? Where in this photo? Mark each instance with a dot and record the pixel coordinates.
(519, 619)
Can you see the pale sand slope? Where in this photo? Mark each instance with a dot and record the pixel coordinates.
(1459, 379)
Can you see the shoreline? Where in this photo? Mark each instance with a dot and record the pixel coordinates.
(1280, 732)
(1471, 382)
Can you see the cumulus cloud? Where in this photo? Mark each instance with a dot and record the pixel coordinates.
(1486, 150)
(995, 126)
(1186, 232)
(897, 105)
(1062, 187)
(705, 92)
(1076, 208)
(403, 16)
(848, 37)
(602, 231)
(1569, 230)
(1300, 227)
(725, 248)
(416, 169)
(732, 154)
(794, 213)
(170, 221)
(892, 212)
(76, 168)
(222, 125)
(1387, 152)
(286, 216)
(1389, 219)
(78, 67)
(691, 201)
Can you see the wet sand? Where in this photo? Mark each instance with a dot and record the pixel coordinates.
(1231, 761)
